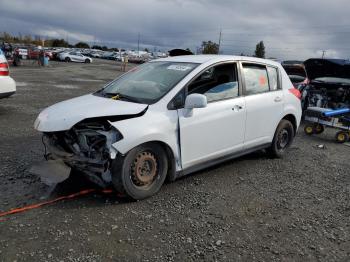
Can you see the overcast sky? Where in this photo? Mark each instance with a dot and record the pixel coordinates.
(296, 29)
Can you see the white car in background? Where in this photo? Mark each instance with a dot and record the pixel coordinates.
(74, 57)
(7, 84)
(171, 117)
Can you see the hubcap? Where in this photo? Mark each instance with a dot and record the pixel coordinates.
(144, 169)
(283, 139)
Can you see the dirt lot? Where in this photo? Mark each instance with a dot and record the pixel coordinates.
(249, 209)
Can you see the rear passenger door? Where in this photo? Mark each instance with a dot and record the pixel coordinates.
(264, 102)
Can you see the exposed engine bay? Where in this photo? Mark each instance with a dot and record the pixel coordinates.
(86, 147)
(325, 95)
(328, 84)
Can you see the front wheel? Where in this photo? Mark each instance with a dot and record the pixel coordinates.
(87, 61)
(67, 59)
(282, 139)
(141, 173)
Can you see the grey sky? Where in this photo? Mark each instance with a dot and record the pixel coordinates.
(290, 29)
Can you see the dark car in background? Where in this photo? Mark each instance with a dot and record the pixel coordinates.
(328, 83)
(296, 72)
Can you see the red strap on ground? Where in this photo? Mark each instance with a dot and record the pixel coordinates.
(30, 207)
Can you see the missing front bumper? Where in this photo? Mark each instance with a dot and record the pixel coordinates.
(51, 172)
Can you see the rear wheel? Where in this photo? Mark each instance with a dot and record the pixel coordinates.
(342, 137)
(87, 61)
(282, 139)
(141, 173)
(67, 59)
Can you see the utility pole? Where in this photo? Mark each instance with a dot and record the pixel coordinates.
(323, 53)
(219, 41)
(138, 45)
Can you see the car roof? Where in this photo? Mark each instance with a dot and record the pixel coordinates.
(201, 59)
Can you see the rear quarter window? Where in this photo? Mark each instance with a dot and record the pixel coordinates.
(273, 78)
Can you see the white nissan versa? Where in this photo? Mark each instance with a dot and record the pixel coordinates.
(168, 118)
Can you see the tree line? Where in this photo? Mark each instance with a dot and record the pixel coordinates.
(55, 42)
(207, 47)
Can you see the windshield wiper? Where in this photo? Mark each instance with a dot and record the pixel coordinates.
(118, 96)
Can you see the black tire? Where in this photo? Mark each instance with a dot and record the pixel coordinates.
(342, 136)
(127, 171)
(87, 61)
(67, 59)
(318, 129)
(282, 139)
(309, 129)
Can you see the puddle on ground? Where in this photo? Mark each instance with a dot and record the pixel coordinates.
(86, 80)
(67, 86)
(21, 84)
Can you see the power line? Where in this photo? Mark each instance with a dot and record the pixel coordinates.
(219, 42)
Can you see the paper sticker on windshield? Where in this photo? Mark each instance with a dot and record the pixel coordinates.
(179, 67)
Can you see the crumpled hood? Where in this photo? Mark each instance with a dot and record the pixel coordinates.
(64, 115)
(316, 67)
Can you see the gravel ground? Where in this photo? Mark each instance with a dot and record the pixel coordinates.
(249, 209)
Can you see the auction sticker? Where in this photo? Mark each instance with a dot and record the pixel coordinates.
(179, 67)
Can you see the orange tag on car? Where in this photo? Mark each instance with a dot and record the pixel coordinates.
(262, 80)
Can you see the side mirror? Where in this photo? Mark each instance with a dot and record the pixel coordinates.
(195, 101)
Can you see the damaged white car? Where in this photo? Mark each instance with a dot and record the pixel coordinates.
(168, 118)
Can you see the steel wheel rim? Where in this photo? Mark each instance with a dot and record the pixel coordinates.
(283, 139)
(144, 169)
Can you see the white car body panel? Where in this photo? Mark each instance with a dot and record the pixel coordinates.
(263, 116)
(211, 132)
(154, 126)
(7, 84)
(221, 120)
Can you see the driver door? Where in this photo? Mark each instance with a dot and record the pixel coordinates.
(218, 129)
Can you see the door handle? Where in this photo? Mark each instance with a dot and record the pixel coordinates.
(237, 107)
(278, 99)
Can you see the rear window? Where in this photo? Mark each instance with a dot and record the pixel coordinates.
(256, 79)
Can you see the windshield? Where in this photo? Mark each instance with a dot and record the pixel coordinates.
(148, 82)
(334, 80)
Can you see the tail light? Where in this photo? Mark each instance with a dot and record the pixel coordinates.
(4, 69)
(295, 92)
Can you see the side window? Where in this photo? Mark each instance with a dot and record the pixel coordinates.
(256, 79)
(216, 83)
(273, 78)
